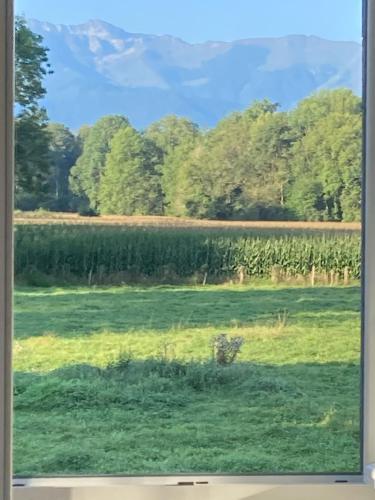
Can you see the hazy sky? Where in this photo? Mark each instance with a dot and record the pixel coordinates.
(201, 20)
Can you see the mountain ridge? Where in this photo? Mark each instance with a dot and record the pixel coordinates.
(107, 69)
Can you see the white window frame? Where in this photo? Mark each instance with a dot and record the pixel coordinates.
(285, 487)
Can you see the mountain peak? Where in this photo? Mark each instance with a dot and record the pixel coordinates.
(101, 27)
(146, 76)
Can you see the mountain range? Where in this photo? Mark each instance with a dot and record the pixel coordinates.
(101, 69)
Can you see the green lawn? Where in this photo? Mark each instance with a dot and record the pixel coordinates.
(121, 380)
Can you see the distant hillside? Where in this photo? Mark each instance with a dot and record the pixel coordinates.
(101, 69)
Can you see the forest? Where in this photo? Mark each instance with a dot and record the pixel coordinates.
(261, 163)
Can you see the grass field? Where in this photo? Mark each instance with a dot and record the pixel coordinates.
(122, 381)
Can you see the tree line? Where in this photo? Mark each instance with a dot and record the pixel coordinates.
(259, 164)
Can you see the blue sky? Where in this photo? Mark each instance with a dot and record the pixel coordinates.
(201, 20)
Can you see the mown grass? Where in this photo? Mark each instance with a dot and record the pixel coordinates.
(121, 380)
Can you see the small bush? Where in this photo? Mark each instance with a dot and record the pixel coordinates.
(226, 349)
(121, 364)
(84, 211)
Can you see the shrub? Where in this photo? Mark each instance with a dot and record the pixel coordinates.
(226, 349)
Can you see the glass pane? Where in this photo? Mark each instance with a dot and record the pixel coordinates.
(188, 237)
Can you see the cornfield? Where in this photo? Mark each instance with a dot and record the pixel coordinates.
(110, 254)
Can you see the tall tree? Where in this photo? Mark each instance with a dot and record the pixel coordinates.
(260, 108)
(271, 139)
(65, 148)
(175, 137)
(32, 160)
(330, 156)
(314, 108)
(240, 169)
(130, 184)
(32, 139)
(86, 174)
(171, 131)
(83, 134)
(31, 66)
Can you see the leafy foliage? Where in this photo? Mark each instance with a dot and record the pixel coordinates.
(31, 135)
(227, 349)
(65, 148)
(130, 182)
(263, 164)
(86, 174)
(31, 65)
(327, 158)
(175, 137)
(32, 155)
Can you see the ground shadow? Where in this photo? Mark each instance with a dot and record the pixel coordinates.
(68, 312)
(159, 417)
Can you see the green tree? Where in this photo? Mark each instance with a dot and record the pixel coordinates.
(32, 160)
(260, 108)
(174, 170)
(316, 107)
(175, 137)
(31, 135)
(83, 134)
(65, 148)
(306, 198)
(213, 174)
(85, 176)
(130, 184)
(271, 140)
(241, 168)
(330, 154)
(31, 66)
(171, 131)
